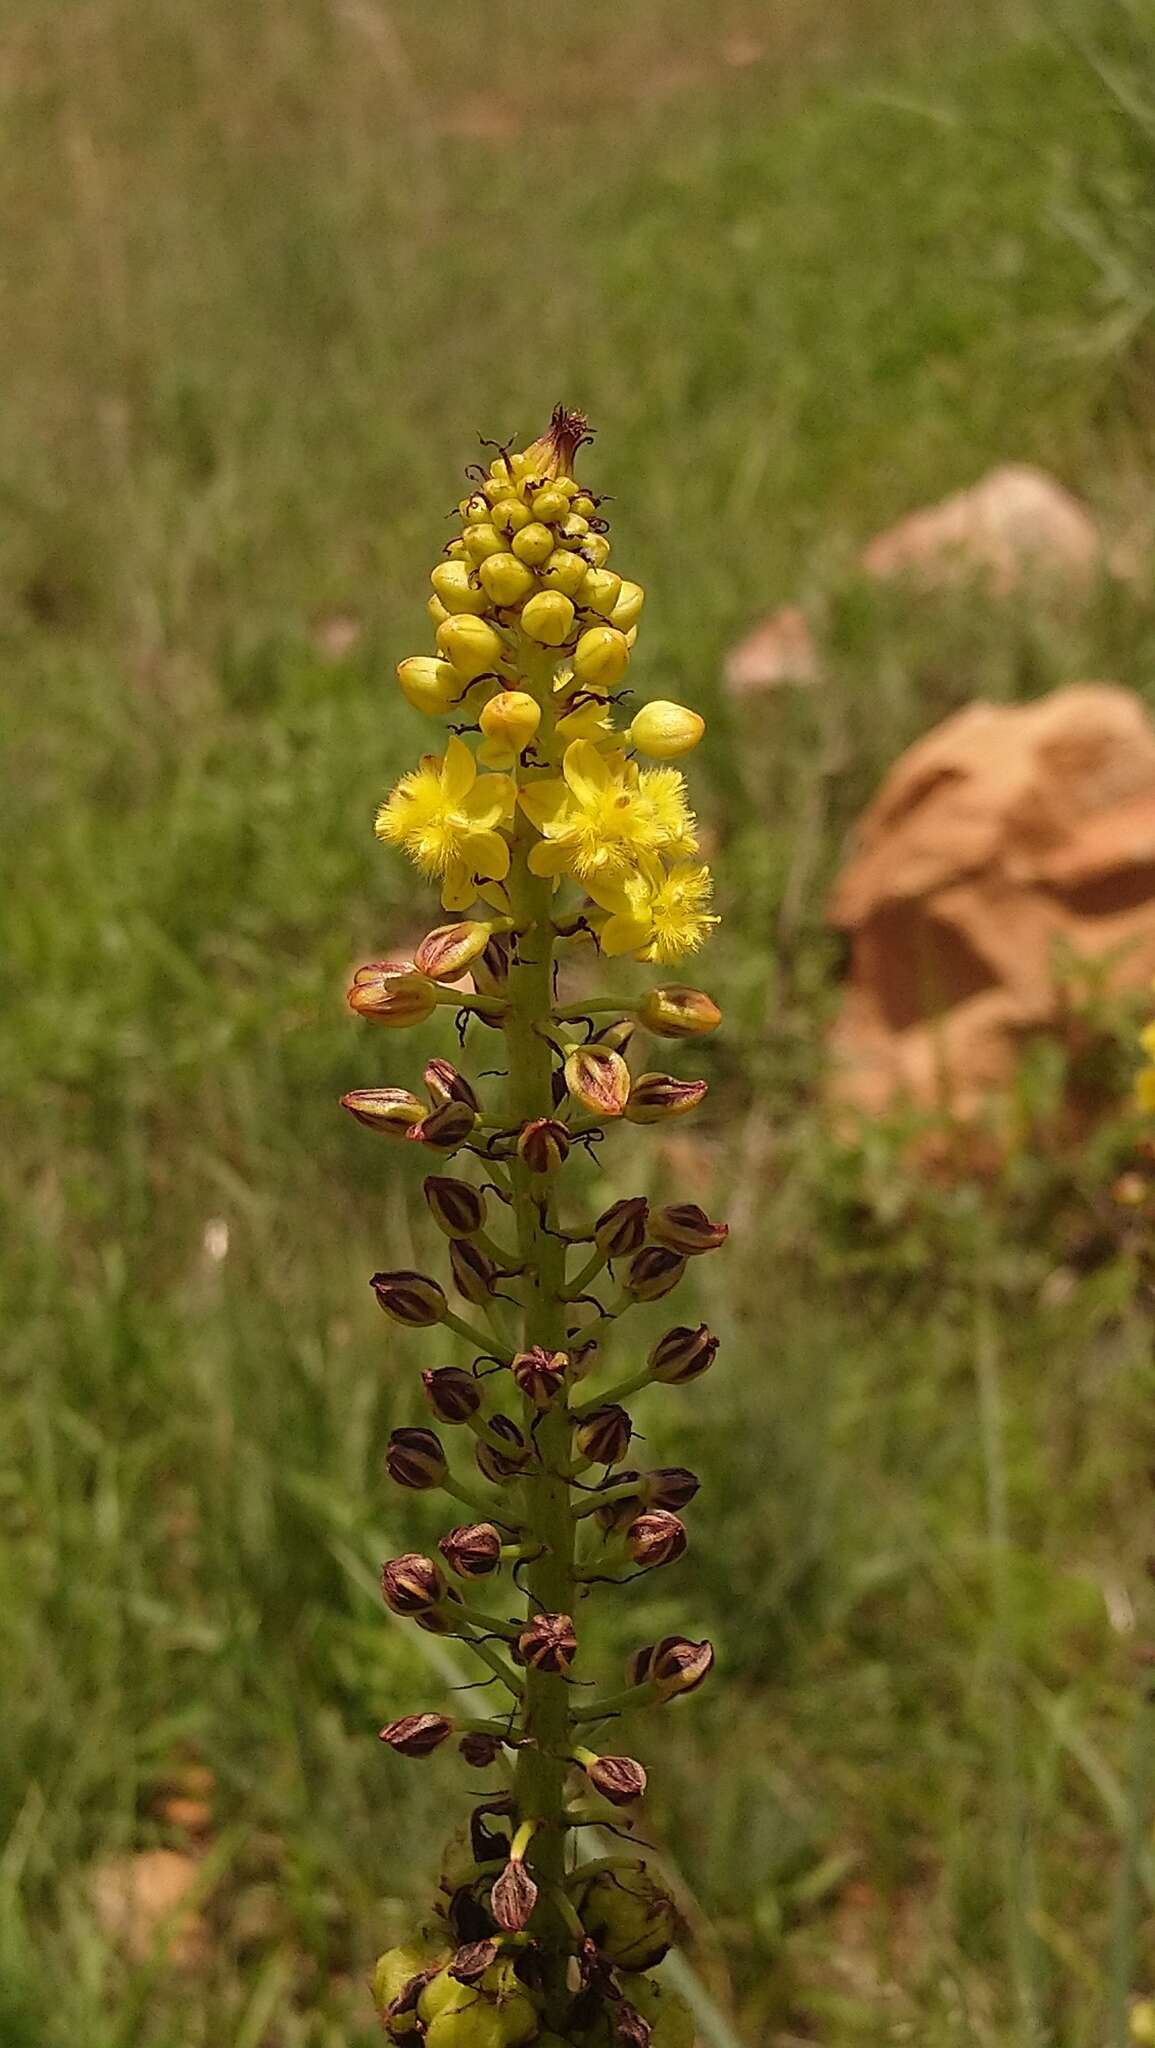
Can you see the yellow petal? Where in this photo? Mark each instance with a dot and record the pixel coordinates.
(624, 934)
(489, 801)
(549, 857)
(1145, 1091)
(496, 754)
(585, 771)
(617, 893)
(487, 853)
(458, 888)
(458, 770)
(543, 802)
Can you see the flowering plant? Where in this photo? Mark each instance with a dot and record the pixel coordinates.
(558, 826)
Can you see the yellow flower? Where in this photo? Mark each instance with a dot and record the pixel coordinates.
(656, 913)
(447, 817)
(603, 815)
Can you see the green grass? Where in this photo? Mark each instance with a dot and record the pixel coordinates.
(267, 273)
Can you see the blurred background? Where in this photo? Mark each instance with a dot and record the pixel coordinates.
(267, 271)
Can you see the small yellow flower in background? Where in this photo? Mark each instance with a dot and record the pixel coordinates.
(1145, 1078)
(656, 913)
(446, 817)
(603, 814)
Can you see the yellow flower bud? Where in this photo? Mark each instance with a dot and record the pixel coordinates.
(600, 591)
(564, 571)
(511, 718)
(548, 618)
(506, 579)
(428, 684)
(573, 526)
(584, 504)
(628, 608)
(482, 540)
(510, 515)
(455, 549)
(596, 549)
(550, 504)
(436, 609)
(473, 508)
(665, 731)
(457, 587)
(471, 644)
(601, 656)
(534, 544)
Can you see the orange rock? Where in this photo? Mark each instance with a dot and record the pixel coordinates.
(780, 650)
(142, 1903)
(1005, 838)
(1016, 525)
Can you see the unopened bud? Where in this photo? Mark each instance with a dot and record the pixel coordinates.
(479, 1751)
(430, 685)
(412, 1584)
(666, 731)
(446, 1084)
(472, 645)
(540, 1374)
(475, 1274)
(618, 1515)
(548, 618)
(548, 1642)
(682, 1355)
(653, 1272)
(678, 1012)
(456, 1206)
(599, 1079)
(503, 1464)
(417, 1735)
(392, 1111)
(446, 952)
(601, 657)
(655, 1539)
(491, 968)
(604, 1435)
(452, 1393)
(410, 1298)
(600, 591)
(628, 609)
(392, 992)
(654, 1098)
(511, 718)
(670, 1486)
(672, 1666)
(507, 581)
(472, 1552)
(446, 1128)
(543, 1144)
(565, 571)
(513, 1898)
(684, 1227)
(415, 1458)
(621, 1229)
(618, 1778)
(617, 1034)
(632, 1919)
(457, 587)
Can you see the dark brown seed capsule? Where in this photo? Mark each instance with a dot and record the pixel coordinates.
(475, 1274)
(415, 1458)
(479, 1751)
(621, 1229)
(513, 1898)
(503, 1464)
(412, 1299)
(445, 1083)
(456, 1206)
(604, 1435)
(543, 1144)
(470, 1963)
(655, 1539)
(548, 1643)
(682, 1355)
(411, 1584)
(654, 1098)
(684, 1227)
(417, 1735)
(653, 1272)
(599, 1079)
(446, 1128)
(452, 1393)
(473, 1551)
(680, 1666)
(491, 969)
(670, 1486)
(540, 1374)
(618, 1778)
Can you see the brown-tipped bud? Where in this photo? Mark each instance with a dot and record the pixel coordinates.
(670, 1486)
(415, 1458)
(438, 1622)
(676, 1665)
(603, 1436)
(653, 1272)
(655, 1539)
(513, 1898)
(479, 1751)
(475, 1274)
(392, 1111)
(678, 1012)
(599, 1079)
(392, 992)
(654, 1098)
(618, 1778)
(548, 1643)
(621, 1229)
(412, 1584)
(447, 1084)
(410, 1298)
(540, 1374)
(616, 1035)
(417, 1735)
(618, 1515)
(491, 968)
(503, 1464)
(543, 1144)
(446, 1128)
(447, 952)
(472, 1552)
(470, 1963)
(452, 1393)
(456, 1206)
(684, 1227)
(682, 1355)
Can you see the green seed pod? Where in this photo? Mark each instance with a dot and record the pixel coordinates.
(666, 2013)
(458, 588)
(548, 618)
(630, 1916)
(398, 1967)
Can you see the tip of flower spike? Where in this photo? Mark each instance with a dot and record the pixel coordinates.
(553, 455)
